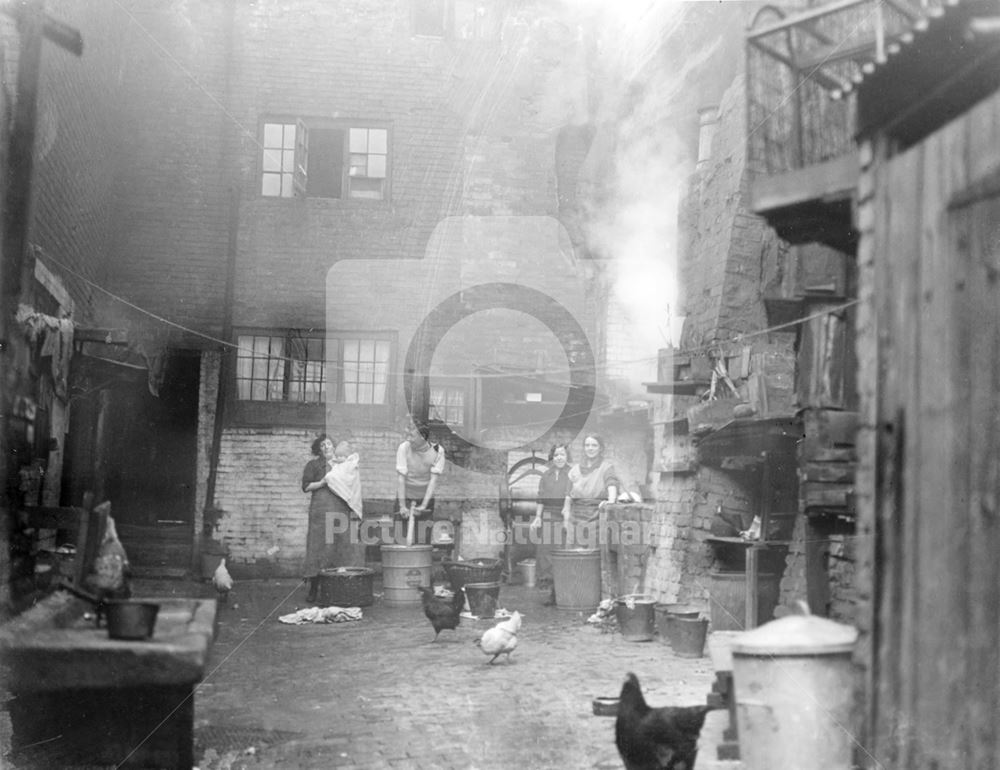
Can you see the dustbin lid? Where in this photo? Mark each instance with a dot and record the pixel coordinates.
(797, 635)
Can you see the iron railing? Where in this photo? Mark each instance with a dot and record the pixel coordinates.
(801, 66)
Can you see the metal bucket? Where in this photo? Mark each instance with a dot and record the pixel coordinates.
(636, 619)
(576, 577)
(527, 569)
(131, 620)
(687, 635)
(663, 611)
(483, 598)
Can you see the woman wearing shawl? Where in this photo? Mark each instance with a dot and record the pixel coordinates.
(593, 484)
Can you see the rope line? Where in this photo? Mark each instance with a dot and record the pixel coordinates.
(534, 373)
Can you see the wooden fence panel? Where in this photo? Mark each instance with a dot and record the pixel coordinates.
(936, 240)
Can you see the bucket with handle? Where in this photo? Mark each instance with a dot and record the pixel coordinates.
(483, 598)
(636, 619)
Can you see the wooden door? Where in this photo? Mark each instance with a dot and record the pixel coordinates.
(936, 588)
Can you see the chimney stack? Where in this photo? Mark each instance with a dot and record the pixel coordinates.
(708, 120)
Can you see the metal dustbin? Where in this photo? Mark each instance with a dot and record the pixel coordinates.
(793, 682)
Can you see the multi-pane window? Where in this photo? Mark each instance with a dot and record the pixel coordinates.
(447, 404)
(369, 150)
(278, 163)
(324, 159)
(363, 368)
(295, 367)
(280, 368)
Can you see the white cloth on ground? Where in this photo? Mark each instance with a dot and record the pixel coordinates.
(321, 615)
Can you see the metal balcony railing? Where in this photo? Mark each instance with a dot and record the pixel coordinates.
(801, 64)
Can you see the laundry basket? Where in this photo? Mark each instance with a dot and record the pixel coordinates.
(472, 571)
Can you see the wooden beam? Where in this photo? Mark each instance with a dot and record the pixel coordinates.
(107, 336)
(54, 31)
(830, 180)
(802, 19)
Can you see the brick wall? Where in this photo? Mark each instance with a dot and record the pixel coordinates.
(840, 555)
(72, 186)
(473, 199)
(729, 247)
(726, 253)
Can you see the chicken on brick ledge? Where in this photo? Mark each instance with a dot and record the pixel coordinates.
(664, 738)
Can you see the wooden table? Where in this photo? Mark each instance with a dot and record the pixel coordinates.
(89, 699)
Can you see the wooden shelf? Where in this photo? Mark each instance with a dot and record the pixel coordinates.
(678, 387)
(679, 467)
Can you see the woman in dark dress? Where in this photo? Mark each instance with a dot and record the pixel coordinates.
(320, 553)
(552, 514)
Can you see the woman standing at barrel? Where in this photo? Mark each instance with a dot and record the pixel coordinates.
(419, 464)
(593, 484)
(552, 513)
(319, 552)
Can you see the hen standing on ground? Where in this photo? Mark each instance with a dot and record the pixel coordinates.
(222, 581)
(441, 611)
(663, 738)
(502, 638)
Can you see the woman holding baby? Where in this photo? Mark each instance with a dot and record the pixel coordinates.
(333, 467)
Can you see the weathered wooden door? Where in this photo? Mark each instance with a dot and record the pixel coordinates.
(935, 680)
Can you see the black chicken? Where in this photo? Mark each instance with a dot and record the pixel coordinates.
(443, 612)
(663, 738)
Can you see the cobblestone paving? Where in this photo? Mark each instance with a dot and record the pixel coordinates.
(379, 693)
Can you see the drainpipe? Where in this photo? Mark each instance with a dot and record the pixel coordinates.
(225, 362)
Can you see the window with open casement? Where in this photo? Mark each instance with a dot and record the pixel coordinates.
(322, 158)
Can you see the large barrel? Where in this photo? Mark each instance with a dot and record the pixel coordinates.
(576, 577)
(404, 568)
(793, 684)
(346, 587)
(727, 599)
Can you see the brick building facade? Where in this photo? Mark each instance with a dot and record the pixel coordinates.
(443, 155)
(192, 221)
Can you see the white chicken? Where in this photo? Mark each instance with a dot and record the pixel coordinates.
(222, 581)
(501, 639)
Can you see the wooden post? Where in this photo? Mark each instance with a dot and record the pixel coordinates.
(752, 565)
(754, 549)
